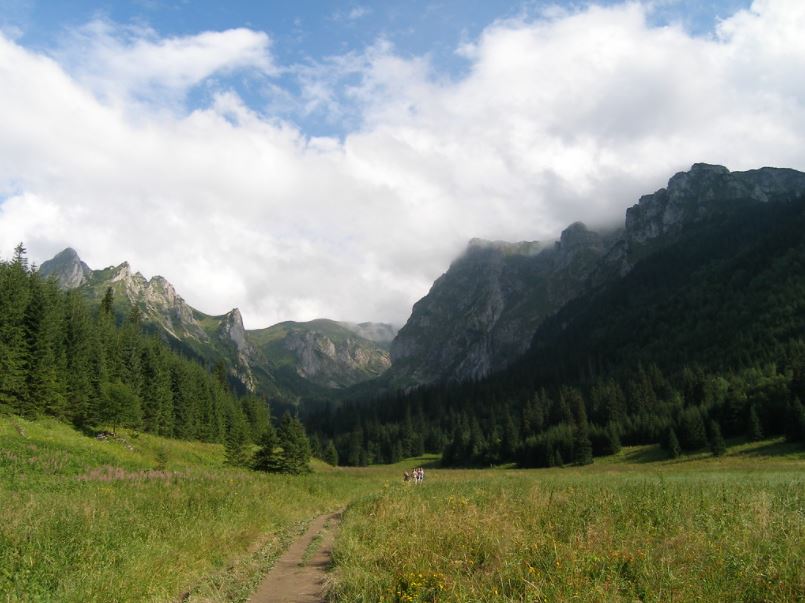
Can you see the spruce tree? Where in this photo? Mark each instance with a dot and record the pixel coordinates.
(14, 296)
(235, 442)
(269, 456)
(106, 302)
(672, 444)
(613, 438)
(795, 425)
(295, 445)
(755, 429)
(43, 388)
(121, 406)
(717, 444)
(330, 454)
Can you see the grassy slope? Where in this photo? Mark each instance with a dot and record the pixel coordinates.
(88, 520)
(630, 528)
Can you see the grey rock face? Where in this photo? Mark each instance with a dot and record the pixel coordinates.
(482, 313)
(67, 268)
(706, 191)
(233, 335)
(334, 364)
(325, 352)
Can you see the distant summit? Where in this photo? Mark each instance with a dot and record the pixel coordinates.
(284, 362)
(67, 268)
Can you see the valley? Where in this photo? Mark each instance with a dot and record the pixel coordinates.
(143, 518)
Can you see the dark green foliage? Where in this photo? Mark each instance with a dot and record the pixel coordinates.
(330, 454)
(269, 454)
(294, 444)
(672, 444)
(61, 358)
(717, 444)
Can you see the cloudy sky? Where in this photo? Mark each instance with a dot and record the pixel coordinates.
(307, 159)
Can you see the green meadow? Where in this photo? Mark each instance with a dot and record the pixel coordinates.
(141, 518)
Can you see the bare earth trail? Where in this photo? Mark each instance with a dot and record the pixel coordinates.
(293, 580)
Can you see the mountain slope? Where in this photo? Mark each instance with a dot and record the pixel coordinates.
(325, 352)
(484, 311)
(725, 294)
(286, 362)
(480, 315)
(702, 337)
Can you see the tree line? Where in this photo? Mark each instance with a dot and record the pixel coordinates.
(701, 341)
(63, 358)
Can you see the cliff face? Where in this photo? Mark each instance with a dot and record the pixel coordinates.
(705, 192)
(325, 352)
(67, 268)
(480, 315)
(484, 311)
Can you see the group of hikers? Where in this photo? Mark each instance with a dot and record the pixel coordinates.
(417, 475)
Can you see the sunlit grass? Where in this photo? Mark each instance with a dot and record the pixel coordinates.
(700, 529)
(141, 518)
(91, 520)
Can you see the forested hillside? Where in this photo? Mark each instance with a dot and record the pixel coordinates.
(703, 339)
(60, 356)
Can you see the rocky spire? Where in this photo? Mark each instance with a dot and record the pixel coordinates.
(67, 268)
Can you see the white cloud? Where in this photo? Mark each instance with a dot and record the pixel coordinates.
(123, 64)
(570, 116)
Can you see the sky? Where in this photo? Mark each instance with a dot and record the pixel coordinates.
(330, 159)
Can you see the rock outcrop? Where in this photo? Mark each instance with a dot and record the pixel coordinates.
(480, 315)
(67, 268)
(325, 352)
(705, 192)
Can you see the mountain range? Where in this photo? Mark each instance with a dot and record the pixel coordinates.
(483, 313)
(686, 325)
(479, 317)
(284, 362)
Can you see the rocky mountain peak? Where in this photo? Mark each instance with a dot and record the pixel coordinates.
(67, 268)
(704, 191)
(232, 327)
(577, 235)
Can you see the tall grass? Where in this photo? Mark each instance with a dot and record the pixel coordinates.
(140, 518)
(88, 520)
(678, 532)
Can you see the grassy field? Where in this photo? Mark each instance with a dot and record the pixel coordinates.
(144, 518)
(140, 518)
(697, 529)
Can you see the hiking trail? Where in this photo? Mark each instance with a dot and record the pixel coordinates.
(299, 575)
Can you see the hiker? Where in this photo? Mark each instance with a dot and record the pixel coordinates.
(406, 476)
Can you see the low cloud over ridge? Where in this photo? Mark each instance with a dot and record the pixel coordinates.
(559, 118)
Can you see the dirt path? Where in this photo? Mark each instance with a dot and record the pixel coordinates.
(294, 579)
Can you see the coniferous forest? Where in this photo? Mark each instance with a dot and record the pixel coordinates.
(703, 340)
(61, 357)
